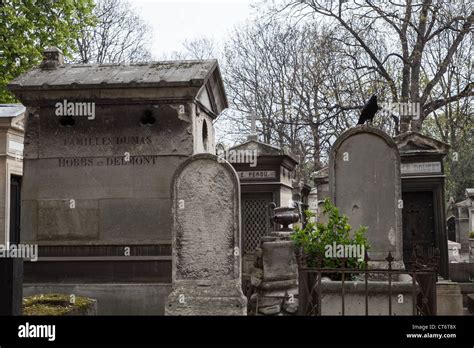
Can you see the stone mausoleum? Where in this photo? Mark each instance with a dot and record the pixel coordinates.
(424, 212)
(269, 179)
(102, 143)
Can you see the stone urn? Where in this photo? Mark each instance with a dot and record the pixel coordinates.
(283, 216)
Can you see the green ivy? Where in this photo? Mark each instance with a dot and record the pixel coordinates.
(314, 237)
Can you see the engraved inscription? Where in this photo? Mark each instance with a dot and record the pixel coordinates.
(424, 167)
(104, 141)
(258, 174)
(140, 160)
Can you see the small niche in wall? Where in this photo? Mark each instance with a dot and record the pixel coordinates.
(205, 136)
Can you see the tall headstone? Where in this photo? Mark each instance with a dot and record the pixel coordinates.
(364, 183)
(206, 239)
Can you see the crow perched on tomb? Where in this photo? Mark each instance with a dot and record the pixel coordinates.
(369, 110)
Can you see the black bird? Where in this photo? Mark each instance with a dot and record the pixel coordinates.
(369, 110)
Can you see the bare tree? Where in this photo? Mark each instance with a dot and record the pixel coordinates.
(118, 35)
(200, 48)
(291, 77)
(453, 123)
(394, 37)
(307, 72)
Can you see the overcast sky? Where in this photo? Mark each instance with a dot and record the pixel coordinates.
(174, 21)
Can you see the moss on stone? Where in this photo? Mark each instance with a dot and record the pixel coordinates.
(54, 304)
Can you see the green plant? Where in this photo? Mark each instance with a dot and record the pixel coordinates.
(471, 235)
(315, 240)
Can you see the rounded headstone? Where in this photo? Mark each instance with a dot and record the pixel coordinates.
(364, 180)
(206, 223)
(206, 239)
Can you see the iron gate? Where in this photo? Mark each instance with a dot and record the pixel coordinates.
(254, 220)
(423, 287)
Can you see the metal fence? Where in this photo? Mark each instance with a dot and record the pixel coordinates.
(424, 274)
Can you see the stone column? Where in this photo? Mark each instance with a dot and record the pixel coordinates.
(276, 276)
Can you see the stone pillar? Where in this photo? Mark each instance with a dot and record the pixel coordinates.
(206, 240)
(276, 277)
(448, 298)
(11, 286)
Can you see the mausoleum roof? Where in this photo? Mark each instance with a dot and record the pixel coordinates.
(173, 80)
(265, 149)
(163, 73)
(414, 143)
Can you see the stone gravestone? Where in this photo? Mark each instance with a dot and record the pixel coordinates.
(364, 181)
(11, 286)
(206, 240)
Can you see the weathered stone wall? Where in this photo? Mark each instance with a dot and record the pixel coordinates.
(378, 297)
(448, 298)
(88, 163)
